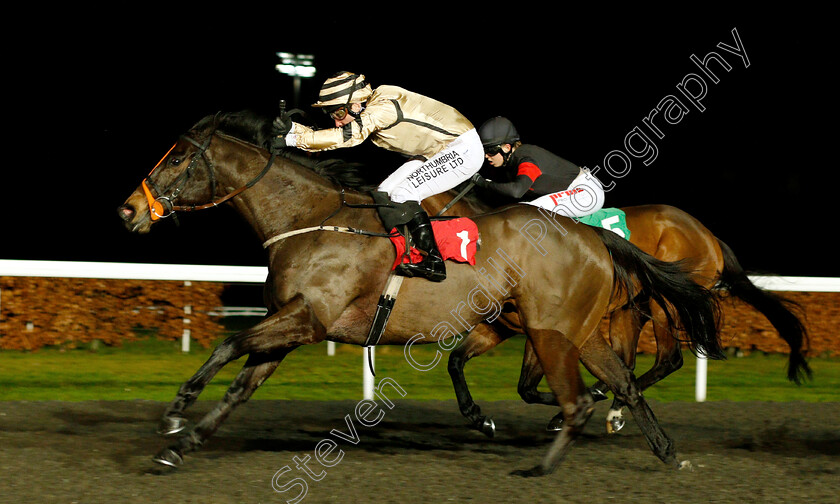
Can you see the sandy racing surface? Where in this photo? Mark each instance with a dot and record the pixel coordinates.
(420, 452)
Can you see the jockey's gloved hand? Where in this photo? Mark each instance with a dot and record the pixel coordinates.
(282, 125)
(479, 181)
(278, 142)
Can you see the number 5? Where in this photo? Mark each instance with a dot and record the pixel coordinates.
(609, 221)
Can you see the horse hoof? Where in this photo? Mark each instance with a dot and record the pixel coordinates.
(685, 465)
(597, 394)
(555, 424)
(488, 427)
(529, 473)
(615, 424)
(171, 425)
(168, 457)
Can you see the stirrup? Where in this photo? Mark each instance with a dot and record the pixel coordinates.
(431, 268)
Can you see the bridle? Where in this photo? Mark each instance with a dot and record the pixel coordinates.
(163, 205)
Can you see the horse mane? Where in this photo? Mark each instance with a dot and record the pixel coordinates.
(256, 129)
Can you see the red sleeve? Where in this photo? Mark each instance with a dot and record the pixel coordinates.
(530, 170)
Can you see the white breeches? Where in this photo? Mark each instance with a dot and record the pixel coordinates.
(417, 180)
(584, 196)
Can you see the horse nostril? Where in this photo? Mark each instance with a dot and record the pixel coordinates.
(126, 212)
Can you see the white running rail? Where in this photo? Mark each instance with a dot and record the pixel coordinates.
(258, 274)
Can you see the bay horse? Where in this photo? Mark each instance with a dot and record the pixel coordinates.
(324, 285)
(669, 234)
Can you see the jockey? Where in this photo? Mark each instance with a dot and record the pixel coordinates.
(535, 175)
(443, 146)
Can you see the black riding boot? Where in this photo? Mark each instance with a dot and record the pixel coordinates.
(423, 239)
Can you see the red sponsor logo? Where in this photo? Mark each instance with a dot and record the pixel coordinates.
(563, 194)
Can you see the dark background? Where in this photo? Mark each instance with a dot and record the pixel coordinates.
(97, 105)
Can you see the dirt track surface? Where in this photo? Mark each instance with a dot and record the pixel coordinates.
(420, 452)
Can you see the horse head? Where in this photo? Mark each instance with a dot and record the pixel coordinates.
(186, 178)
(220, 157)
(182, 179)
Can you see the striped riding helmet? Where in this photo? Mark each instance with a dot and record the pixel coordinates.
(343, 88)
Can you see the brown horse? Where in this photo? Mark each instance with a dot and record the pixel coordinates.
(669, 234)
(324, 284)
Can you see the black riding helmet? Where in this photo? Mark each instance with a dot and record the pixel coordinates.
(495, 132)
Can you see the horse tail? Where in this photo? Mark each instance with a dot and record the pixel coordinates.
(687, 305)
(777, 309)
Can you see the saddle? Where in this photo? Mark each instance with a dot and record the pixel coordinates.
(608, 218)
(457, 240)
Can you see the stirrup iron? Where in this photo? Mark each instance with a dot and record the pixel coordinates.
(383, 313)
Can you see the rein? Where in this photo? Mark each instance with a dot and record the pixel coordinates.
(350, 230)
(232, 194)
(162, 206)
(455, 199)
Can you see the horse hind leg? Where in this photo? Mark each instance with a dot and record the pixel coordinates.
(530, 377)
(604, 364)
(559, 360)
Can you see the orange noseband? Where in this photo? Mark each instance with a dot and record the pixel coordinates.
(157, 209)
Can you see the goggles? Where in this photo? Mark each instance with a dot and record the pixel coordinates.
(492, 150)
(338, 113)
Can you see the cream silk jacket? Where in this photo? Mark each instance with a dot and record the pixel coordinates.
(394, 119)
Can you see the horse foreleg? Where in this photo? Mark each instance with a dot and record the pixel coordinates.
(558, 358)
(605, 365)
(481, 339)
(291, 326)
(173, 420)
(257, 369)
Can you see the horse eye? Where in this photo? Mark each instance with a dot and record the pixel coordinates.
(175, 162)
